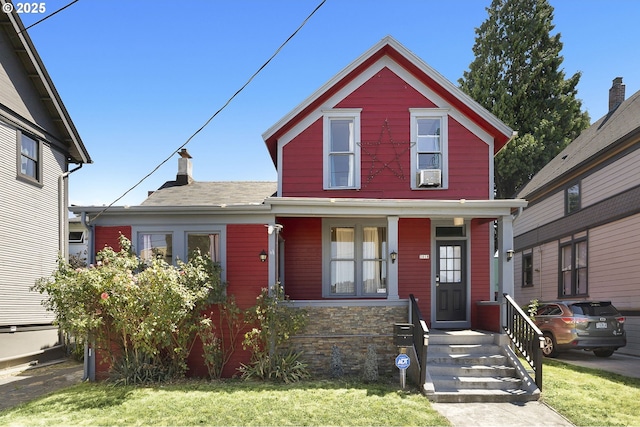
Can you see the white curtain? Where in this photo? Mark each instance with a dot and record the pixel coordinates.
(214, 247)
(342, 260)
(373, 274)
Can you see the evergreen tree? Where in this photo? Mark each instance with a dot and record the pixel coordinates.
(516, 75)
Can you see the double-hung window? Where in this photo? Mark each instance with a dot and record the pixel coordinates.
(341, 141)
(429, 147)
(573, 268)
(29, 158)
(572, 198)
(356, 260)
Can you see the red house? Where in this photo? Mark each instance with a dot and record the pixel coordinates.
(385, 189)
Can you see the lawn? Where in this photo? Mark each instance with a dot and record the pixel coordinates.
(229, 403)
(587, 397)
(590, 397)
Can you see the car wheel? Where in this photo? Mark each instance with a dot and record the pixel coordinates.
(549, 348)
(603, 352)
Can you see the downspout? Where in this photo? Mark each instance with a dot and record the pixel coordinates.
(63, 213)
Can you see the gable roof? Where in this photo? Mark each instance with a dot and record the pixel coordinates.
(594, 144)
(221, 193)
(34, 68)
(392, 49)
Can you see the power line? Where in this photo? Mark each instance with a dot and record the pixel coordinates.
(216, 113)
(49, 16)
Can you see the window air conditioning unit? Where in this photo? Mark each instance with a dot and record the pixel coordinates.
(429, 178)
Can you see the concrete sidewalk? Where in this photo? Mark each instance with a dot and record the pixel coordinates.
(25, 383)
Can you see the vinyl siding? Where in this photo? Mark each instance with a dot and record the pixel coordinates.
(414, 274)
(545, 274)
(303, 257)
(29, 233)
(615, 178)
(613, 263)
(541, 213)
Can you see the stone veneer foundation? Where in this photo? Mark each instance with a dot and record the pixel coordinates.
(352, 328)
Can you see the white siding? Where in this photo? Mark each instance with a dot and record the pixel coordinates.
(29, 233)
(548, 210)
(614, 269)
(611, 180)
(632, 327)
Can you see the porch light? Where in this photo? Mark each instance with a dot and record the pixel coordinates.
(394, 256)
(510, 254)
(458, 221)
(263, 256)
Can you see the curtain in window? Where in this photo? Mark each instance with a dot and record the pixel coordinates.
(214, 245)
(342, 260)
(373, 267)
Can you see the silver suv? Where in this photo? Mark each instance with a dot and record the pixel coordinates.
(586, 325)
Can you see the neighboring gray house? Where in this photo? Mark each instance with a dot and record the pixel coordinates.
(38, 142)
(579, 237)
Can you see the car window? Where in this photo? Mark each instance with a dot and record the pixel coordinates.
(594, 309)
(549, 310)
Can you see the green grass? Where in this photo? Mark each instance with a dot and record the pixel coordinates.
(229, 403)
(590, 397)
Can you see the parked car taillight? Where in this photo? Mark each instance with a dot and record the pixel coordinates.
(620, 319)
(576, 320)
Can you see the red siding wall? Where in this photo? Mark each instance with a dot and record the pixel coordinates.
(303, 257)
(110, 236)
(414, 274)
(246, 276)
(385, 119)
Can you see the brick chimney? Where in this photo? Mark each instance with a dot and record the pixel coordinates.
(184, 168)
(616, 94)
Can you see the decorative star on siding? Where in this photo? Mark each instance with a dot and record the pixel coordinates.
(394, 164)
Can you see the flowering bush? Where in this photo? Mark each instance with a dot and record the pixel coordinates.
(148, 311)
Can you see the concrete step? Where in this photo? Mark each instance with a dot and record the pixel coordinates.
(437, 370)
(476, 395)
(466, 359)
(456, 382)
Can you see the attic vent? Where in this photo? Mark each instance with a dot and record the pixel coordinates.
(429, 178)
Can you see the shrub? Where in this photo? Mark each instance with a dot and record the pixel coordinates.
(274, 322)
(150, 311)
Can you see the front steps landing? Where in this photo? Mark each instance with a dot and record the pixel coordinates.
(475, 366)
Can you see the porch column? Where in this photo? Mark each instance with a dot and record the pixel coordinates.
(505, 265)
(392, 271)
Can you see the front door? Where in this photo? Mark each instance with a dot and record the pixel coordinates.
(451, 281)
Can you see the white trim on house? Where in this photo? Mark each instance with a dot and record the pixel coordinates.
(352, 114)
(415, 60)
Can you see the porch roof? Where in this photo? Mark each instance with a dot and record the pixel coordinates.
(333, 207)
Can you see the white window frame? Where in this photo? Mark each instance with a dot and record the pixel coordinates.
(341, 114)
(358, 226)
(443, 116)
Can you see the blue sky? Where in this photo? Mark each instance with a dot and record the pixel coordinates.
(138, 77)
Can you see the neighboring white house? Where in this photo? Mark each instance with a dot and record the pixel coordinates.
(38, 143)
(579, 237)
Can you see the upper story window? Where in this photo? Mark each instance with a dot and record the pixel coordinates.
(572, 198)
(29, 158)
(341, 138)
(429, 152)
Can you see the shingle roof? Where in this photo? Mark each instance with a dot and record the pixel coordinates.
(593, 140)
(213, 194)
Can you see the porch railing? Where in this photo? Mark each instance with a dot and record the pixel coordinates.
(420, 338)
(525, 336)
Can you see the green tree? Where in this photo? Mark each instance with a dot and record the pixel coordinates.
(516, 75)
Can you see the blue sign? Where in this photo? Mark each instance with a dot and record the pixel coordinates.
(403, 361)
